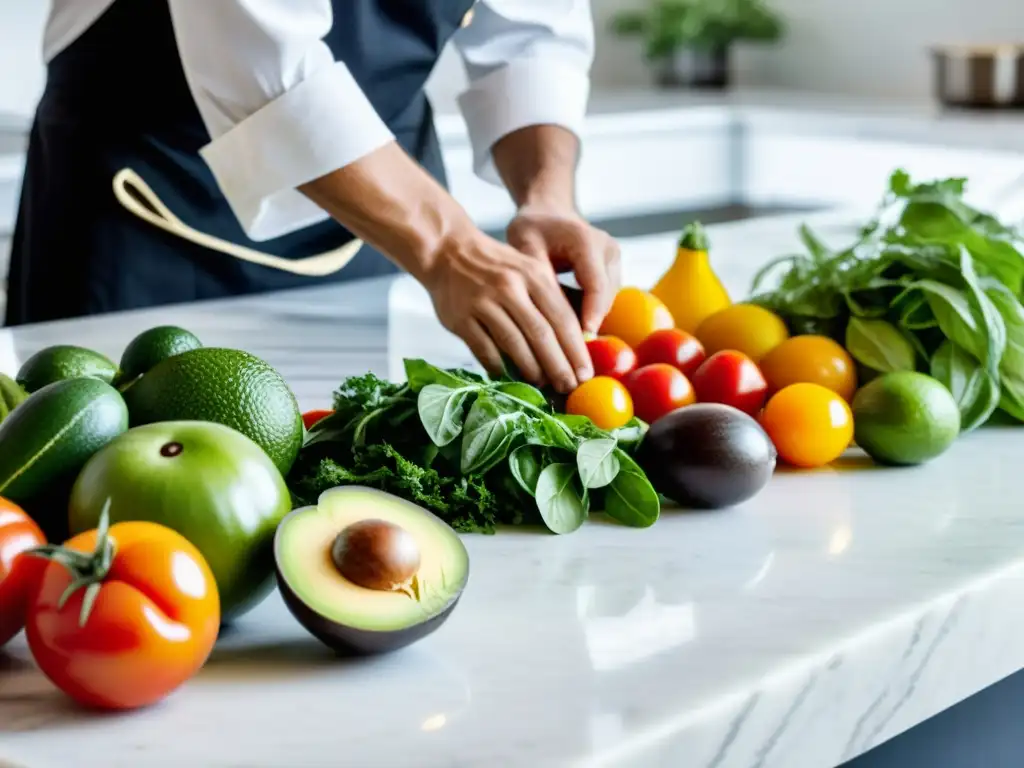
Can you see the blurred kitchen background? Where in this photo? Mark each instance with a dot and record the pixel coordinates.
(814, 116)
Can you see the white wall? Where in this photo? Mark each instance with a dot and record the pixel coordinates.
(869, 47)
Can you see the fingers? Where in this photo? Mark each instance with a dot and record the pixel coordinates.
(481, 345)
(597, 272)
(553, 307)
(508, 337)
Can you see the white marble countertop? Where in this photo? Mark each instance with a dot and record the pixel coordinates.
(831, 612)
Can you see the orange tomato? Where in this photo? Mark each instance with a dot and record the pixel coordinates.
(602, 399)
(151, 624)
(19, 573)
(813, 360)
(810, 424)
(634, 315)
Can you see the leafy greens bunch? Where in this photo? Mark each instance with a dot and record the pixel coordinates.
(476, 452)
(930, 284)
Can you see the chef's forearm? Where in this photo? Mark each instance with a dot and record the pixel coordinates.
(538, 166)
(389, 201)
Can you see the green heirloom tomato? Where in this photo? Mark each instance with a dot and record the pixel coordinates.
(208, 482)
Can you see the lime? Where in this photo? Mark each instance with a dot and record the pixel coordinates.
(154, 346)
(905, 418)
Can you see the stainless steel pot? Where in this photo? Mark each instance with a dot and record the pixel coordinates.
(983, 77)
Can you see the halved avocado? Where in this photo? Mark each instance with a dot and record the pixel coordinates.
(368, 572)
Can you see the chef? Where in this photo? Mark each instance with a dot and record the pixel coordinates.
(196, 149)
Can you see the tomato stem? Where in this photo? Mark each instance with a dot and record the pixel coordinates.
(87, 570)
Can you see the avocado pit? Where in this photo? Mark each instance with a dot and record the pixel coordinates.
(376, 554)
(366, 571)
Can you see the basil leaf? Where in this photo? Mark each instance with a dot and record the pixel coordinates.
(526, 393)
(597, 463)
(420, 373)
(998, 258)
(975, 391)
(487, 434)
(630, 499)
(879, 345)
(562, 505)
(630, 435)
(990, 319)
(441, 411)
(525, 464)
(1011, 367)
(956, 320)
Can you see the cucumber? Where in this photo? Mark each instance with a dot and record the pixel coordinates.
(46, 440)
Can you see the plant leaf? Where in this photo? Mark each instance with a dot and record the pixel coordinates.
(597, 462)
(525, 463)
(441, 411)
(630, 498)
(562, 506)
(975, 391)
(487, 433)
(879, 345)
(420, 373)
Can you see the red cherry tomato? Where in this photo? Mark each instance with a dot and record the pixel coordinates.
(658, 389)
(731, 378)
(141, 620)
(309, 418)
(19, 573)
(673, 346)
(611, 356)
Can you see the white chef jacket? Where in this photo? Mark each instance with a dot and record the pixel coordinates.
(281, 111)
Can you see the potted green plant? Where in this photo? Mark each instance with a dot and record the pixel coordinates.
(689, 41)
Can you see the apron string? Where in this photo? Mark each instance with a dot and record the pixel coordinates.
(138, 198)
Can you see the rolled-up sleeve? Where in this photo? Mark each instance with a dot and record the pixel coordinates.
(528, 63)
(280, 110)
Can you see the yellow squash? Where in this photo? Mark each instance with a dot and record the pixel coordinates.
(690, 288)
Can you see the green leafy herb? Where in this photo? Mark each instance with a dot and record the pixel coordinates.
(630, 499)
(478, 453)
(562, 503)
(879, 345)
(930, 283)
(597, 463)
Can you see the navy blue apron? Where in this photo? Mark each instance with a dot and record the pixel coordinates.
(117, 97)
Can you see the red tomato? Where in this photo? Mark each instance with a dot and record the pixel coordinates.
(309, 418)
(611, 356)
(19, 573)
(151, 624)
(603, 400)
(658, 389)
(731, 378)
(673, 346)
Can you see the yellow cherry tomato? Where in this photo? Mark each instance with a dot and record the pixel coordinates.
(747, 328)
(634, 315)
(812, 360)
(810, 424)
(604, 400)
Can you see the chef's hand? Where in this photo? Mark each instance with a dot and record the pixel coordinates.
(564, 239)
(501, 299)
(496, 297)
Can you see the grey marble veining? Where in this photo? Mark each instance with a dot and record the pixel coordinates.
(833, 611)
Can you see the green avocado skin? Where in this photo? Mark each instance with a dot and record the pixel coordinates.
(63, 362)
(48, 438)
(208, 482)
